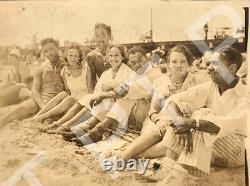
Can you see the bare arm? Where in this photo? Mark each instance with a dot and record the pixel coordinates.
(185, 124)
(91, 73)
(207, 126)
(65, 83)
(36, 87)
(156, 105)
(99, 98)
(109, 94)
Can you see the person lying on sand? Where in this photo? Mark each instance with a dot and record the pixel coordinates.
(47, 83)
(15, 93)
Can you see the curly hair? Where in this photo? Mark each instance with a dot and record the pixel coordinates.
(183, 49)
(79, 51)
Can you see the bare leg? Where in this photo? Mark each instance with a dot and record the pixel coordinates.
(52, 103)
(75, 118)
(107, 122)
(81, 128)
(21, 111)
(86, 125)
(156, 151)
(170, 146)
(141, 144)
(74, 115)
(62, 107)
(70, 114)
(96, 133)
(65, 127)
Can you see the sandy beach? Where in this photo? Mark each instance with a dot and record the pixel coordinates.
(65, 164)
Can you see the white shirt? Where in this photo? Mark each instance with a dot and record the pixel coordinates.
(122, 75)
(228, 111)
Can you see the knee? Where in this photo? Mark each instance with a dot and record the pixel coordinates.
(71, 99)
(62, 94)
(76, 107)
(155, 135)
(66, 104)
(29, 106)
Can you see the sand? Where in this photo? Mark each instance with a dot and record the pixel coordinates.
(64, 166)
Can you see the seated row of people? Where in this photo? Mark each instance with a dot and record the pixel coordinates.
(179, 116)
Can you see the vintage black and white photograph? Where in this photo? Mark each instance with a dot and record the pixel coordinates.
(124, 92)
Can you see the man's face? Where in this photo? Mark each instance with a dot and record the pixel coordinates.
(102, 37)
(218, 69)
(50, 51)
(136, 61)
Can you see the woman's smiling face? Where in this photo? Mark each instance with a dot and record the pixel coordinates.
(115, 57)
(178, 63)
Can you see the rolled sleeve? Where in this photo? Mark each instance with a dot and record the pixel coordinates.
(196, 97)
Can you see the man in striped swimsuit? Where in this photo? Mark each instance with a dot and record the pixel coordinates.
(216, 131)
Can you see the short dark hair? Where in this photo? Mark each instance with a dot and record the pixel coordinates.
(136, 49)
(231, 55)
(49, 40)
(183, 49)
(106, 27)
(121, 49)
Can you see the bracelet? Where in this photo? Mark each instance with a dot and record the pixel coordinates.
(152, 115)
(156, 121)
(197, 124)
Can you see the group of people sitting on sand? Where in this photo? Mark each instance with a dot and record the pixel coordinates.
(192, 121)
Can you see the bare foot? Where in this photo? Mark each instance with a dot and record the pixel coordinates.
(30, 120)
(51, 126)
(60, 130)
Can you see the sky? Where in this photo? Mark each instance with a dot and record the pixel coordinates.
(129, 19)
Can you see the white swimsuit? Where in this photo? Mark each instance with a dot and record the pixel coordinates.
(77, 85)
